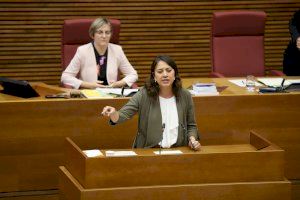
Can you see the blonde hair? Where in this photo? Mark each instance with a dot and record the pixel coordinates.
(96, 24)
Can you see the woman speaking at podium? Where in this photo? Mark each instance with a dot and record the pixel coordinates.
(166, 110)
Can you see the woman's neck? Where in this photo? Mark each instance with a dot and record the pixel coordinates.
(100, 49)
(166, 92)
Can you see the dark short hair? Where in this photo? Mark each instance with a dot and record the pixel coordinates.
(153, 87)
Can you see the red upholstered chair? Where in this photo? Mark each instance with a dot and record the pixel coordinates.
(75, 32)
(237, 44)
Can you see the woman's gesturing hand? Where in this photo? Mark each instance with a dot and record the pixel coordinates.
(108, 110)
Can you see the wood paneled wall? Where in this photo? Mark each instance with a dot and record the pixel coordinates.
(30, 32)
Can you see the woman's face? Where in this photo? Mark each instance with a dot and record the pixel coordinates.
(102, 36)
(164, 74)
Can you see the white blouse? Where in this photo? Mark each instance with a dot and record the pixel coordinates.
(170, 121)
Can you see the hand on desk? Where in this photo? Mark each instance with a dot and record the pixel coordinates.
(92, 85)
(118, 84)
(194, 144)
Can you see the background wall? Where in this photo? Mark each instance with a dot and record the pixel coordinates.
(30, 32)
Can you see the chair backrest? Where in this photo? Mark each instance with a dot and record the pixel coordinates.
(75, 32)
(237, 43)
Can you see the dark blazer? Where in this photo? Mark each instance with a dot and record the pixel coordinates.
(150, 119)
(291, 59)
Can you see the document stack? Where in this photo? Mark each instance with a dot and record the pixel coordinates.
(204, 89)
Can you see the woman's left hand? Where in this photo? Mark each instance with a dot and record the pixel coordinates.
(117, 84)
(194, 144)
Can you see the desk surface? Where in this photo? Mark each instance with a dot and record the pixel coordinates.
(225, 87)
(33, 130)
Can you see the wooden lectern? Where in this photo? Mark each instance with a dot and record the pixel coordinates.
(252, 170)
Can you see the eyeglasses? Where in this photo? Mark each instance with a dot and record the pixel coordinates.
(100, 32)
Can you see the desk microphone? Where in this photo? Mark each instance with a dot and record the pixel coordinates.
(134, 141)
(162, 136)
(122, 91)
(270, 89)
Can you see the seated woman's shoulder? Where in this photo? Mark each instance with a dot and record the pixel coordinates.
(85, 46)
(115, 46)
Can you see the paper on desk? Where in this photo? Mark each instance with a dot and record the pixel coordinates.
(204, 93)
(276, 82)
(92, 153)
(242, 82)
(273, 82)
(204, 89)
(167, 152)
(94, 94)
(294, 80)
(117, 91)
(119, 153)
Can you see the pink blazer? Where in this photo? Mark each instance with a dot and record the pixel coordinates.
(83, 66)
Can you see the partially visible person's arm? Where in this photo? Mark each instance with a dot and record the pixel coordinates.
(90, 85)
(294, 30)
(118, 84)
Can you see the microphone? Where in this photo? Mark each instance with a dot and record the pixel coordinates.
(122, 91)
(134, 141)
(270, 89)
(282, 84)
(162, 136)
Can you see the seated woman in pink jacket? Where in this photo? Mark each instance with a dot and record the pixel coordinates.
(96, 64)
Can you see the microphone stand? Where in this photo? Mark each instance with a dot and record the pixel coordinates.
(133, 145)
(271, 89)
(162, 136)
(282, 84)
(122, 91)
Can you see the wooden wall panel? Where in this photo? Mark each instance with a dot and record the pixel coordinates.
(30, 32)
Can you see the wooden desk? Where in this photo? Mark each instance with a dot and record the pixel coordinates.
(33, 131)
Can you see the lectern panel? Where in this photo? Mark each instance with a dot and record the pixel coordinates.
(257, 160)
(268, 190)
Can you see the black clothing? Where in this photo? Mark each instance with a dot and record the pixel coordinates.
(291, 59)
(101, 61)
